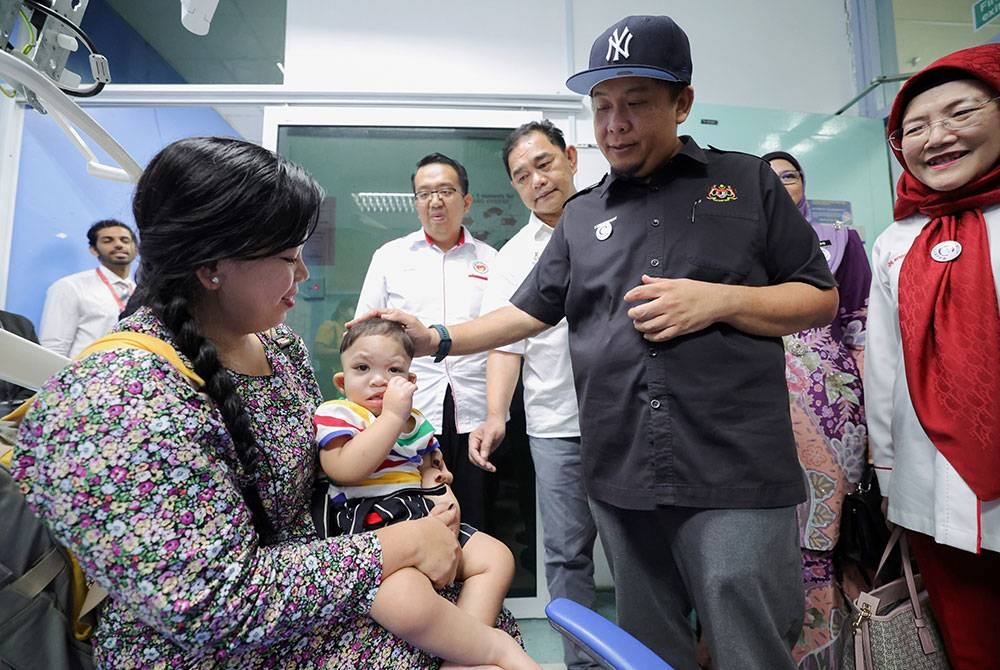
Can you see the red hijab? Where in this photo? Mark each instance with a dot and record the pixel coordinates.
(948, 312)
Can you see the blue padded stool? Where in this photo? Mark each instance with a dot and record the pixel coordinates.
(603, 641)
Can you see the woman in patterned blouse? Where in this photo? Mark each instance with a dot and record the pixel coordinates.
(191, 507)
(823, 367)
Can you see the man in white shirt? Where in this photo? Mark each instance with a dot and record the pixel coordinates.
(541, 169)
(440, 273)
(81, 307)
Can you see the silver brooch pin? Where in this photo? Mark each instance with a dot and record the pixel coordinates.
(946, 251)
(604, 229)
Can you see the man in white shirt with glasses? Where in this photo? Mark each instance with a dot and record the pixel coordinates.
(440, 273)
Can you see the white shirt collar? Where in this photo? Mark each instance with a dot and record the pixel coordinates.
(114, 278)
(541, 230)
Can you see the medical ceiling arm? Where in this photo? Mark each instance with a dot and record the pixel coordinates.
(67, 112)
(26, 363)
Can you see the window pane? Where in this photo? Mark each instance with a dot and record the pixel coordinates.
(366, 172)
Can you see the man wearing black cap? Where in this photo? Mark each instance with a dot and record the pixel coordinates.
(678, 273)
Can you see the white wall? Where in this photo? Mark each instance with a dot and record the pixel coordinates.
(430, 46)
(785, 54)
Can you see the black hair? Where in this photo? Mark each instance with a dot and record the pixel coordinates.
(106, 223)
(378, 326)
(784, 155)
(675, 88)
(926, 80)
(205, 199)
(544, 127)
(431, 159)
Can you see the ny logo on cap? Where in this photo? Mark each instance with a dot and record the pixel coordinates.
(615, 44)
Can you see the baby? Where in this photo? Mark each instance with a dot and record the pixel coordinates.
(384, 466)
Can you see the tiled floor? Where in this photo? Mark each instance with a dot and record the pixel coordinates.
(544, 644)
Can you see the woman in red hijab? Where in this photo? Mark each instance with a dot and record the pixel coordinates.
(932, 378)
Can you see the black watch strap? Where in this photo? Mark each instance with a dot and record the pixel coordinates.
(444, 346)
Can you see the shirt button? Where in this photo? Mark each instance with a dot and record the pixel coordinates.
(652, 353)
(655, 404)
(656, 222)
(655, 262)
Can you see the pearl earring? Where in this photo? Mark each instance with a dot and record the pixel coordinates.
(215, 280)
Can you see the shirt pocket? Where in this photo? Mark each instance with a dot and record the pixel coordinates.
(721, 247)
(412, 290)
(470, 291)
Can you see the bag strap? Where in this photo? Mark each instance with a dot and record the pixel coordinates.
(123, 340)
(896, 536)
(18, 413)
(95, 596)
(926, 639)
(133, 340)
(41, 574)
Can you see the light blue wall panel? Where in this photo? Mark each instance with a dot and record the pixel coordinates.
(57, 199)
(844, 158)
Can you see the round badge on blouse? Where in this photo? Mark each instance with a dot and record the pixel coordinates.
(946, 251)
(604, 229)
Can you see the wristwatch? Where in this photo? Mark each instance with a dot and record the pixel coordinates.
(444, 346)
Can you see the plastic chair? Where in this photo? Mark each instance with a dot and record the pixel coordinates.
(606, 643)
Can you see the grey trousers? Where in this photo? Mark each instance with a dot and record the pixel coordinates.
(568, 528)
(739, 570)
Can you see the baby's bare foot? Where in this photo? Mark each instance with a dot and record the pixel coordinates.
(512, 656)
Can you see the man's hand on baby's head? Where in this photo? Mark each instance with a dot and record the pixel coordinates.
(370, 314)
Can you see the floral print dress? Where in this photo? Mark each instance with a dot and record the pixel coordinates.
(823, 367)
(131, 468)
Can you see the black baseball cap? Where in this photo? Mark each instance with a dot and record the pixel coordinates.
(637, 46)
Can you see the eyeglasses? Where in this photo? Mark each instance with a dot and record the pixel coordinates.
(446, 193)
(790, 177)
(958, 120)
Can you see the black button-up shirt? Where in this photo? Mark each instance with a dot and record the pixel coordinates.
(701, 420)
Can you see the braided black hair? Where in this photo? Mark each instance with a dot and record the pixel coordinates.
(205, 199)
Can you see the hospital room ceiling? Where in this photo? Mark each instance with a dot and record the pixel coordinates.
(245, 44)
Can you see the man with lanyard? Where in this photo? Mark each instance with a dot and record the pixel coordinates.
(81, 307)
(678, 274)
(541, 169)
(441, 271)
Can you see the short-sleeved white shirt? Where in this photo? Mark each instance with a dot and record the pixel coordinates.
(412, 274)
(549, 395)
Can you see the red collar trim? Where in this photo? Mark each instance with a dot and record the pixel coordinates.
(461, 238)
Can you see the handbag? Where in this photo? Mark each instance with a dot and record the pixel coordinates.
(864, 533)
(894, 628)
